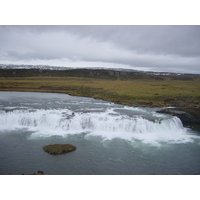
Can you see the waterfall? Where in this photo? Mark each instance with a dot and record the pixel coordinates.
(106, 124)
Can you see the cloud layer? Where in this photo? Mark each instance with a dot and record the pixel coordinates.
(154, 48)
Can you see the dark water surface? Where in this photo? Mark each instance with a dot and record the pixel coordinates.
(110, 138)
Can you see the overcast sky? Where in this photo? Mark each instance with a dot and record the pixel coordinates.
(148, 48)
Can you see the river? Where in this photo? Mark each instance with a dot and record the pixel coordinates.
(110, 138)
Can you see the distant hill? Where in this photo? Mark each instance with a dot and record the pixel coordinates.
(100, 73)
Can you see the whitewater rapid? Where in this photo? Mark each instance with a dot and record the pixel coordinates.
(108, 124)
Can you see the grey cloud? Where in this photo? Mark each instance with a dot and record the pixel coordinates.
(159, 48)
(180, 40)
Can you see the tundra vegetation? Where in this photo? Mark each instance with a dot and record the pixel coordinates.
(129, 88)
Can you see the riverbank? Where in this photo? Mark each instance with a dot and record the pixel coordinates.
(143, 93)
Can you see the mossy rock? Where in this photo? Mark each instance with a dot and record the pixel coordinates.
(59, 148)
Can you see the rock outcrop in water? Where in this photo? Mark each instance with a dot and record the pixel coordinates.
(59, 148)
(190, 117)
(38, 173)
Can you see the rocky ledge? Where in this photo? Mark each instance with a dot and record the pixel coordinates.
(59, 148)
(190, 117)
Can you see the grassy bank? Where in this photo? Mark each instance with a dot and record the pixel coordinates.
(153, 93)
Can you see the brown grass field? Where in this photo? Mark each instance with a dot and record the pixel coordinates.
(150, 93)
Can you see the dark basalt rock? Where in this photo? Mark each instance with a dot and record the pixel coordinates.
(59, 148)
(38, 173)
(190, 117)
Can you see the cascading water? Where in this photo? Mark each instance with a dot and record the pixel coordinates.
(109, 124)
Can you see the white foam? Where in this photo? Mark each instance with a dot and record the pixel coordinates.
(108, 125)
